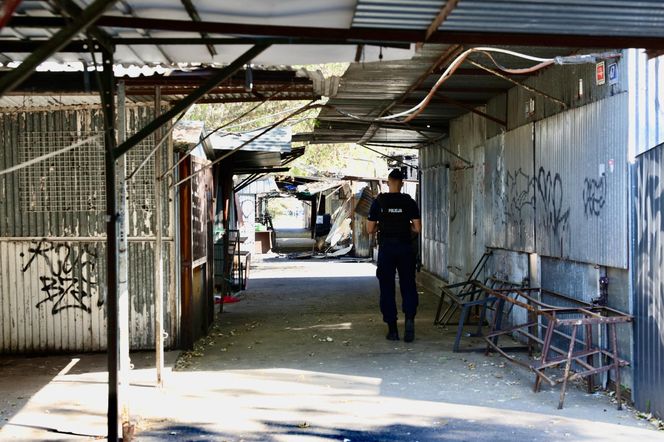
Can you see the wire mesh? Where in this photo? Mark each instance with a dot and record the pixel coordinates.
(140, 189)
(74, 181)
(70, 182)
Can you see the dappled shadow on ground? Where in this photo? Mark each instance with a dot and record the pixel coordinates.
(21, 377)
(458, 430)
(303, 357)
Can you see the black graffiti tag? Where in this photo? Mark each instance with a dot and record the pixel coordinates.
(63, 287)
(553, 219)
(594, 196)
(521, 195)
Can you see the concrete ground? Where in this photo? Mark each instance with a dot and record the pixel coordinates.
(303, 358)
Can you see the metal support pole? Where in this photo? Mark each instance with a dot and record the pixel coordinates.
(53, 44)
(158, 247)
(123, 272)
(112, 262)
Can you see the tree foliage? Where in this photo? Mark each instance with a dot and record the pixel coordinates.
(327, 159)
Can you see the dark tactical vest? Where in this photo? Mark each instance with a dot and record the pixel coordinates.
(394, 219)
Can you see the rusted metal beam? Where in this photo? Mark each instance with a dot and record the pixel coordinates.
(144, 90)
(190, 99)
(359, 51)
(445, 11)
(361, 35)
(252, 99)
(6, 10)
(71, 9)
(469, 90)
(470, 108)
(520, 84)
(80, 46)
(193, 13)
(78, 24)
(186, 258)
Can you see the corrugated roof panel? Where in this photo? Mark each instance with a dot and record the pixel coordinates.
(403, 14)
(276, 140)
(593, 17)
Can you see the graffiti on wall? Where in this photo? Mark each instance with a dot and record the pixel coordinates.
(594, 196)
(520, 198)
(71, 277)
(553, 215)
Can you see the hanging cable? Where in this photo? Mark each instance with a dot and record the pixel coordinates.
(413, 112)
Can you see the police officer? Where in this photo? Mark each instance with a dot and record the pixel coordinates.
(396, 218)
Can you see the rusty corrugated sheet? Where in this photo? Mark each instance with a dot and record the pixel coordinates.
(649, 282)
(581, 182)
(52, 250)
(361, 239)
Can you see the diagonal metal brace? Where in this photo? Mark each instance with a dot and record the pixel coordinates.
(190, 99)
(78, 24)
(73, 10)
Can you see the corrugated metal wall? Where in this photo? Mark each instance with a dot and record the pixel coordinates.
(581, 183)
(564, 83)
(52, 250)
(496, 107)
(467, 138)
(510, 189)
(434, 166)
(646, 101)
(649, 282)
(555, 184)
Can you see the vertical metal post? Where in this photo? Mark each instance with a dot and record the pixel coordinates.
(108, 106)
(158, 263)
(122, 224)
(186, 266)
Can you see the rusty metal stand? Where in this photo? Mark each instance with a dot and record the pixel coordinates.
(455, 294)
(576, 363)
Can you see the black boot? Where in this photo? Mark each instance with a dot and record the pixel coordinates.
(409, 334)
(392, 331)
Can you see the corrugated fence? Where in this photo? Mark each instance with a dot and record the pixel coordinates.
(649, 282)
(52, 236)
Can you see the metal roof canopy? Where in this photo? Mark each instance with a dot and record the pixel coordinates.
(370, 90)
(51, 89)
(45, 32)
(208, 31)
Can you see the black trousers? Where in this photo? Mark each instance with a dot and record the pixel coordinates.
(397, 256)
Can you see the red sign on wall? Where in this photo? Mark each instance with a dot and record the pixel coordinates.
(600, 73)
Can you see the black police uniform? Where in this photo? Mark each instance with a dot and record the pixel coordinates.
(394, 212)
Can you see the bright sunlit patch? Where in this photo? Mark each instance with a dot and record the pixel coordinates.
(317, 269)
(68, 367)
(341, 326)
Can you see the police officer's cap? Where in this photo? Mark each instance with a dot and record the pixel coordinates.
(396, 174)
